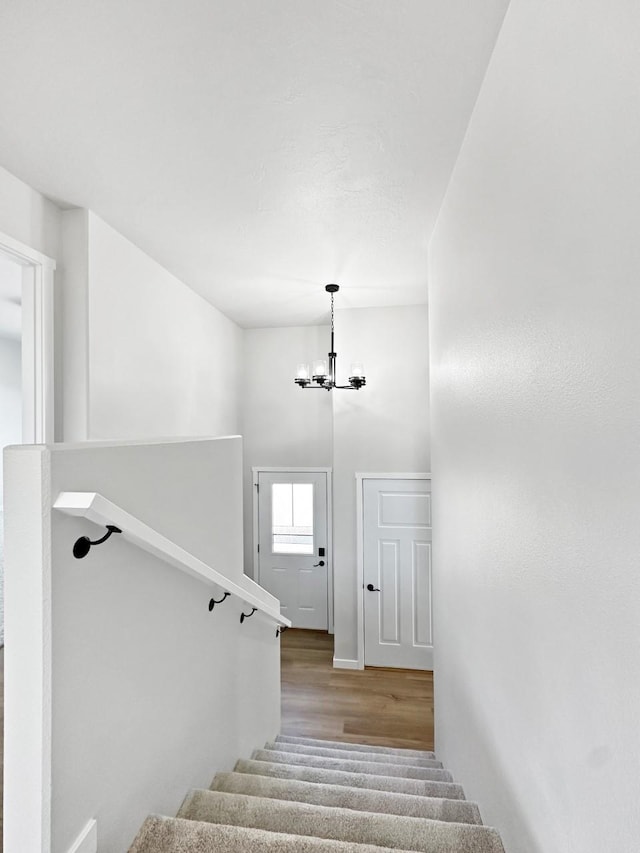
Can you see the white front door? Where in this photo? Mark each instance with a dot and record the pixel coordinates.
(397, 573)
(293, 553)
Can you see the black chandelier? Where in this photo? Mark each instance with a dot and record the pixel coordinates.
(319, 374)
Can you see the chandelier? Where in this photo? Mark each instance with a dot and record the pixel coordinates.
(319, 374)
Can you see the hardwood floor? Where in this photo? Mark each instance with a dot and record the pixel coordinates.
(388, 707)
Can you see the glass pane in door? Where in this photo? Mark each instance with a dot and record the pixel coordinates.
(292, 518)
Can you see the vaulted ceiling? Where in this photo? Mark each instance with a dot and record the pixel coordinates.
(256, 148)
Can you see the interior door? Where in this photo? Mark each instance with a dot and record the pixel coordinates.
(293, 557)
(397, 573)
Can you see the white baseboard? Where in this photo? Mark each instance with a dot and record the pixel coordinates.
(345, 663)
(87, 841)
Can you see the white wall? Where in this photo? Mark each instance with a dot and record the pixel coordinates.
(124, 365)
(160, 360)
(281, 424)
(535, 310)
(28, 216)
(151, 693)
(382, 428)
(72, 330)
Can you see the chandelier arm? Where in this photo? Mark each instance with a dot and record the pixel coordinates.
(311, 387)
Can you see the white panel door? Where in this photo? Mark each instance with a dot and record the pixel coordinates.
(397, 573)
(292, 544)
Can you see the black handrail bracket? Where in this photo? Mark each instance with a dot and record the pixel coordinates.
(82, 546)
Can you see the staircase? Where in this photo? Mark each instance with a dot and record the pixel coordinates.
(311, 796)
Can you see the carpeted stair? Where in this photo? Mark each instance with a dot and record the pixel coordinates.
(314, 796)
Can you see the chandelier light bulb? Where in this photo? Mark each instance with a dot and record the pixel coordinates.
(319, 368)
(303, 372)
(357, 369)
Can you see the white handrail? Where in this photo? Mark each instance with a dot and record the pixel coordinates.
(98, 509)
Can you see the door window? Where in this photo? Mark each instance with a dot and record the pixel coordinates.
(292, 518)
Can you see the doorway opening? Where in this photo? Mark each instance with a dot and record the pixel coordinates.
(26, 357)
(10, 382)
(26, 387)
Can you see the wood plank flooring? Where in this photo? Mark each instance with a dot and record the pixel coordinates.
(387, 707)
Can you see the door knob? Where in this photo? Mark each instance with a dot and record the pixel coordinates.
(321, 563)
(372, 588)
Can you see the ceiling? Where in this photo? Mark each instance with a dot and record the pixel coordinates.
(256, 148)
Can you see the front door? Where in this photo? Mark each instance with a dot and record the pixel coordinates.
(293, 557)
(397, 573)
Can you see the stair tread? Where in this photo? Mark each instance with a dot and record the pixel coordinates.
(161, 834)
(357, 747)
(422, 787)
(304, 819)
(360, 799)
(405, 771)
(355, 755)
